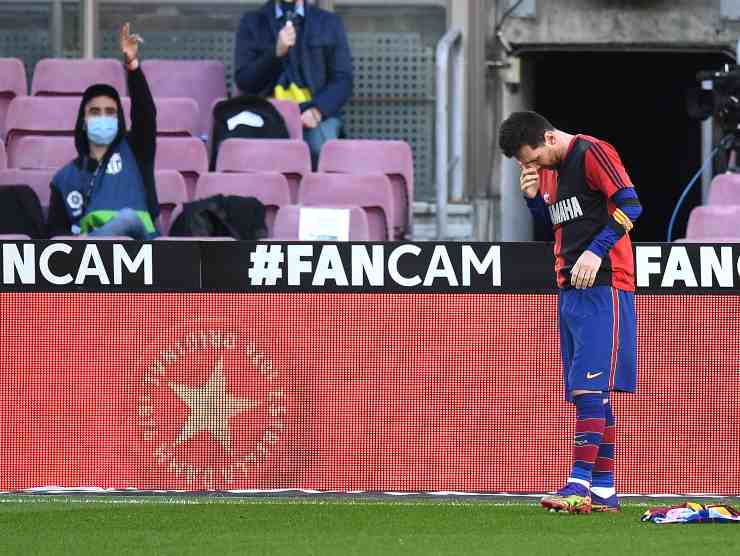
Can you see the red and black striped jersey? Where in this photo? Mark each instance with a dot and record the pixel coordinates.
(577, 196)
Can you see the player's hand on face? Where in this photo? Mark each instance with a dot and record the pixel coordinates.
(529, 181)
(286, 39)
(584, 271)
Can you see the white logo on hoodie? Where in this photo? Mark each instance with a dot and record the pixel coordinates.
(115, 165)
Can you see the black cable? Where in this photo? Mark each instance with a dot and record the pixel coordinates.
(507, 13)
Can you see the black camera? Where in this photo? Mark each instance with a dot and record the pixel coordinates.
(722, 101)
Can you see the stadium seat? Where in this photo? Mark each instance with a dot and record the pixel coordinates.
(289, 157)
(714, 221)
(70, 77)
(39, 116)
(710, 240)
(43, 153)
(393, 158)
(202, 80)
(3, 157)
(292, 115)
(287, 223)
(270, 188)
(171, 191)
(38, 180)
(93, 238)
(187, 155)
(13, 84)
(177, 117)
(372, 192)
(14, 237)
(725, 190)
(194, 238)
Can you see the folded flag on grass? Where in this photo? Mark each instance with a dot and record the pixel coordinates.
(692, 512)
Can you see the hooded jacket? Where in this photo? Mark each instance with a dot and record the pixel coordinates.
(84, 194)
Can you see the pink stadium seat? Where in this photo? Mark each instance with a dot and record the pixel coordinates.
(171, 191)
(70, 77)
(93, 238)
(177, 117)
(43, 153)
(373, 192)
(393, 158)
(38, 180)
(40, 116)
(13, 84)
(288, 221)
(14, 237)
(270, 188)
(187, 155)
(3, 157)
(710, 240)
(714, 221)
(194, 238)
(292, 115)
(290, 157)
(725, 190)
(202, 80)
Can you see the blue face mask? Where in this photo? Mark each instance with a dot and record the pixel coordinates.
(101, 130)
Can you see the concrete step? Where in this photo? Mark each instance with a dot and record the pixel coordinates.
(459, 222)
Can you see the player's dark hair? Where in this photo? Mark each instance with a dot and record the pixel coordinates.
(522, 128)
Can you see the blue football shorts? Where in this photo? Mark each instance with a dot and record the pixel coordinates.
(598, 339)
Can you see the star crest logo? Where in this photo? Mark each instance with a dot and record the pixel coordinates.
(211, 410)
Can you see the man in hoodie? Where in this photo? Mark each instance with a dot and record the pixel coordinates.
(109, 188)
(291, 50)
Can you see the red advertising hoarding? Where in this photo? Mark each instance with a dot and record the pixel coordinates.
(371, 392)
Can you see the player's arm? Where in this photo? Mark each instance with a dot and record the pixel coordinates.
(606, 173)
(621, 222)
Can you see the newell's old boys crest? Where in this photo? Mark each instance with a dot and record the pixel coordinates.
(210, 412)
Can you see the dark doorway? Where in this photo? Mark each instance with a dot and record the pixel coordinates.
(637, 102)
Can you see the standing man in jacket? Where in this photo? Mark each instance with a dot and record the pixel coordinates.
(109, 188)
(290, 50)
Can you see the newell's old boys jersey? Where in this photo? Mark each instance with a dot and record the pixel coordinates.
(577, 197)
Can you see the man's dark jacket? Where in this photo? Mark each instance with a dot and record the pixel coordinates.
(325, 59)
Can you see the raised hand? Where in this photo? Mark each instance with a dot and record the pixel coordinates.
(130, 44)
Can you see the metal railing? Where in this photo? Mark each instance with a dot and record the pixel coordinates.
(449, 125)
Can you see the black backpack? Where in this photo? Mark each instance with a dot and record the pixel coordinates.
(20, 212)
(245, 117)
(222, 216)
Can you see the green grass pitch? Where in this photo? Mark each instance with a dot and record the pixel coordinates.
(203, 526)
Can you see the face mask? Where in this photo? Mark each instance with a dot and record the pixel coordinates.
(101, 130)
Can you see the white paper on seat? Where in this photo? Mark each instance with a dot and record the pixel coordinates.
(323, 224)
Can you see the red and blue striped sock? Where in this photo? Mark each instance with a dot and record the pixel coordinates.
(603, 472)
(590, 424)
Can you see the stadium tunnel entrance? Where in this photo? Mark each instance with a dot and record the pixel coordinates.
(637, 102)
